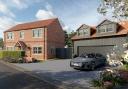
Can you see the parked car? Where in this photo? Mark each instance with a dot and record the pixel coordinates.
(88, 61)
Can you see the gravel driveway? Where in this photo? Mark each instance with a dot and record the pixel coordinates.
(59, 72)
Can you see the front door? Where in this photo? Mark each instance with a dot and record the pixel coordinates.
(28, 52)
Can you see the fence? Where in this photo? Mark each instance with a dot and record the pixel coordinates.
(64, 53)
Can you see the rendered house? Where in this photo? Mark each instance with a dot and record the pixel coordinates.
(38, 39)
(104, 38)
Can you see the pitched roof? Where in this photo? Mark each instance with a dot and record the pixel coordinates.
(30, 25)
(121, 30)
(104, 21)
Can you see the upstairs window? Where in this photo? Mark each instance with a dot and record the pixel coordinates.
(80, 32)
(106, 28)
(37, 32)
(10, 35)
(109, 30)
(22, 35)
(83, 32)
(101, 30)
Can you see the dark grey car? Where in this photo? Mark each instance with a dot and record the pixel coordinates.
(88, 61)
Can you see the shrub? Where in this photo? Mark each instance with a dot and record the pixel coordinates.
(126, 66)
(109, 79)
(97, 83)
(11, 56)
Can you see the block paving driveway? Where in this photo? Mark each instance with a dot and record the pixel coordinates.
(60, 73)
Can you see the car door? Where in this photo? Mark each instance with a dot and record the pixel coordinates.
(98, 59)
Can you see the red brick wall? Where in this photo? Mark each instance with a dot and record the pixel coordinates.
(28, 39)
(55, 38)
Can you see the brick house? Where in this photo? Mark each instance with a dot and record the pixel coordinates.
(103, 38)
(38, 39)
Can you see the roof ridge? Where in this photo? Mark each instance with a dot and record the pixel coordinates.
(30, 25)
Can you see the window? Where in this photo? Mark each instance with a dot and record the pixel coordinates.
(10, 48)
(10, 35)
(105, 28)
(37, 32)
(109, 30)
(80, 32)
(22, 35)
(85, 32)
(101, 30)
(37, 50)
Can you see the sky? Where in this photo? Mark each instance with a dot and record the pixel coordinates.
(71, 13)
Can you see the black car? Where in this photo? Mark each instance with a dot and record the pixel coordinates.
(88, 61)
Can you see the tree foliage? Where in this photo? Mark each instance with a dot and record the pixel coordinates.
(1, 42)
(68, 40)
(118, 8)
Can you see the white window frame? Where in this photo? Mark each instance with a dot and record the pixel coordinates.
(12, 48)
(109, 30)
(21, 34)
(10, 36)
(37, 50)
(101, 30)
(85, 32)
(106, 29)
(38, 33)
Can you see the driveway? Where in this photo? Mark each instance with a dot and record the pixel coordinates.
(59, 72)
(11, 78)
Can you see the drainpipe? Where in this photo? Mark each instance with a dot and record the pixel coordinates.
(44, 43)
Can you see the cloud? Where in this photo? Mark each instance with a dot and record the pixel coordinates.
(6, 23)
(48, 7)
(20, 4)
(45, 14)
(5, 10)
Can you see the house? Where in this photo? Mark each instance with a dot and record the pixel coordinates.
(38, 39)
(106, 37)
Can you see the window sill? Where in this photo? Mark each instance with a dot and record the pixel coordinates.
(37, 54)
(10, 39)
(37, 37)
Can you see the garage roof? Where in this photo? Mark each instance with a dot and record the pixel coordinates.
(121, 30)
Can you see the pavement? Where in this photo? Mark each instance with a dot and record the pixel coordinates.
(59, 72)
(11, 78)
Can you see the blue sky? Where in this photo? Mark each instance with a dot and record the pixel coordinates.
(72, 13)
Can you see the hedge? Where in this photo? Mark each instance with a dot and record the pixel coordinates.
(11, 54)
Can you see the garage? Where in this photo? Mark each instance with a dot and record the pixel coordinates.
(103, 49)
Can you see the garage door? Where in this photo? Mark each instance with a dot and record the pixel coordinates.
(104, 49)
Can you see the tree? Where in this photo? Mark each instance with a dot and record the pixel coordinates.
(68, 40)
(118, 8)
(1, 42)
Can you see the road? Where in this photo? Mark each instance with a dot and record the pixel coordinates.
(11, 78)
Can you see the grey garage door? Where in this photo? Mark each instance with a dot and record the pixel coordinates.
(104, 49)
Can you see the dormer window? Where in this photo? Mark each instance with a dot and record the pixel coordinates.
(107, 27)
(80, 32)
(101, 30)
(109, 30)
(85, 32)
